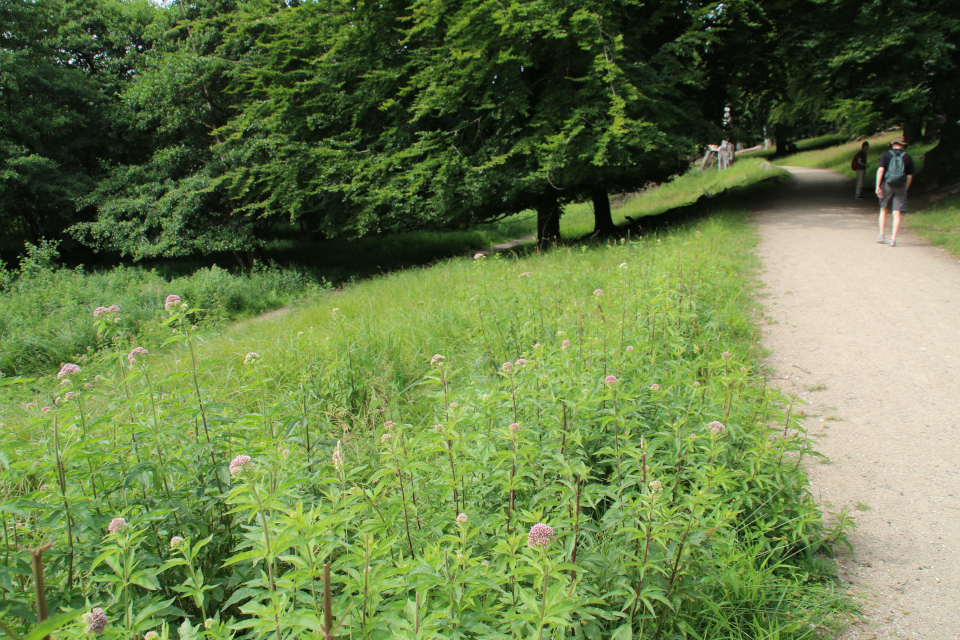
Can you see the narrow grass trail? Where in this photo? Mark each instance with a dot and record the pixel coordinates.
(869, 336)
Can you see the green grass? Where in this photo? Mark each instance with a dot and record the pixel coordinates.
(343, 261)
(939, 224)
(838, 158)
(45, 316)
(807, 144)
(365, 446)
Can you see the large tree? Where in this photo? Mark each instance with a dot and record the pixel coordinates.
(900, 59)
(523, 105)
(62, 63)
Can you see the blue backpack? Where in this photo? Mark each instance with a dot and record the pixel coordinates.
(896, 173)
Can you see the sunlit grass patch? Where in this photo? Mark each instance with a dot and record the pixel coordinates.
(571, 442)
(939, 224)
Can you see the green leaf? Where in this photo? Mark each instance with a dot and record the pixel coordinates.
(53, 624)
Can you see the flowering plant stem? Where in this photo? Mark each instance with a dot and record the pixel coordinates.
(62, 481)
(268, 560)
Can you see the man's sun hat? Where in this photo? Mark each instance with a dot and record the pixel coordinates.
(899, 140)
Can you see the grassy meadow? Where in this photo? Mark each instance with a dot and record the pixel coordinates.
(576, 443)
(45, 307)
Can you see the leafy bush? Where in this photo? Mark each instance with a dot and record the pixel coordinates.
(574, 444)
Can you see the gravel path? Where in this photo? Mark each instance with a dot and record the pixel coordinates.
(869, 336)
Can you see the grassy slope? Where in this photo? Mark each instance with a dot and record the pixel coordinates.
(340, 261)
(47, 318)
(828, 140)
(366, 350)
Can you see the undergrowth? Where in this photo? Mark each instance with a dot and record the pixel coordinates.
(576, 443)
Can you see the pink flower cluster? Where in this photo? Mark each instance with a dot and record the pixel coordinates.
(251, 357)
(240, 464)
(716, 427)
(515, 427)
(437, 359)
(172, 301)
(96, 621)
(99, 311)
(565, 344)
(68, 369)
(135, 353)
(462, 518)
(116, 525)
(175, 542)
(610, 380)
(338, 457)
(540, 536)
(507, 366)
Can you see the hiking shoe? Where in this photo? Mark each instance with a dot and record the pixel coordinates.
(880, 239)
(893, 242)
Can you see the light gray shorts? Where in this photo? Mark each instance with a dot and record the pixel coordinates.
(896, 194)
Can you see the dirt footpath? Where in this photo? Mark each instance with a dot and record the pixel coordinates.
(869, 336)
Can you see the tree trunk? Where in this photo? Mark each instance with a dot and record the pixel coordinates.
(931, 129)
(783, 144)
(548, 219)
(602, 217)
(913, 131)
(942, 163)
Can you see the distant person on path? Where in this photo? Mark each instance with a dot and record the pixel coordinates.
(859, 165)
(893, 181)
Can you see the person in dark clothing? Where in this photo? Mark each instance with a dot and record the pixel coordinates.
(894, 178)
(860, 162)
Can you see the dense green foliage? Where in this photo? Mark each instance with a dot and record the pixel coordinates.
(197, 127)
(610, 393)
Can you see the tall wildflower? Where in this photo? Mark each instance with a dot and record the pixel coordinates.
(68, 369)
(172, 301)
(135, 353)
(117, 525)
(240, 464)
(96, 621)
(540, 536)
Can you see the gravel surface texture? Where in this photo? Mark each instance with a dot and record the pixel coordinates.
(868, 336)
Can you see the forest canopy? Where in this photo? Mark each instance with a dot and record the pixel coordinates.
(192, 127)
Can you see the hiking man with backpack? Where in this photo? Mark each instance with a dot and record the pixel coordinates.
(859, 164)
(893, 180)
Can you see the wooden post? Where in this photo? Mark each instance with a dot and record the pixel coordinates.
(40, 594)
